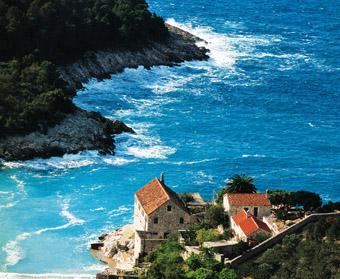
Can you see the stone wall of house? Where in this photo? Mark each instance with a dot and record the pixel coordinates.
(138, 246)
(262, 210)
(140, 218)
(145, 242)
(168, 221)
(232, 210)
(238, 232)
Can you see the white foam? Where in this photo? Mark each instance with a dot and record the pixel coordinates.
(194, 162)
(222, 53)
(227, 49)
(68, 161)
(5, 193)
(151, 152)
(96, 187)
(172, 83)
(97, 209)
(72, 220)
(119, 211)
(13, 165)
(118, 161)
(203, 178)
(70, 164)
(253, 156)
(14, 252)
(9, 275)
(311, 125)
(95, 267)
(20, 183)
(9, 205)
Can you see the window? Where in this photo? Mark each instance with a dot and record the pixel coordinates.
(246, 209)
(169, 207)
(155, 220)
(256, 211)
(181, 220)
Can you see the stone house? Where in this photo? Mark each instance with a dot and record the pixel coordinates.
(158, 211)
(246, 226)
(257, 204)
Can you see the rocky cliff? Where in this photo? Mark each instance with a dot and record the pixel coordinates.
(84, 130)
(180, 46)
(78, 131)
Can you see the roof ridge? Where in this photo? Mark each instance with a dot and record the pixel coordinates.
(254, 219)
(163, 187)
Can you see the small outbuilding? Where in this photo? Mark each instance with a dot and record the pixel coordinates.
(246, 226)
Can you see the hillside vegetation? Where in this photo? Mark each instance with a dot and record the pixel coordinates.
(37, 35)
(314, 253)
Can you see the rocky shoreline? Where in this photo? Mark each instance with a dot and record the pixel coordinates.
(82, 130)
(179, 47)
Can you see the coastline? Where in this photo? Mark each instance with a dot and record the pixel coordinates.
(179, 47)
(83, 130)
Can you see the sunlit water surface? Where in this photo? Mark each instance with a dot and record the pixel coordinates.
(266, 104)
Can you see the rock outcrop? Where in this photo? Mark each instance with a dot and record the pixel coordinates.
(117, 249)
(180, 46)
(84, 130)
(78, 131)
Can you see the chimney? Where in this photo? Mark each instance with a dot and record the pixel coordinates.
(161, 178)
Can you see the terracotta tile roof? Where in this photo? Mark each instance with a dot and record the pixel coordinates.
(248, 199)
(154, 194)
(248, 223)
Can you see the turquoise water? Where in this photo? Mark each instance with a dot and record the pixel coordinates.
(266, 104)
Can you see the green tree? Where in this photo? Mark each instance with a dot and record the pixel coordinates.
(241, 184)
(166, 261)
(204, 235)
(308, 200)
(202, 273)
(215, 215)
(227, 273)
(261, 236)
(220, 194)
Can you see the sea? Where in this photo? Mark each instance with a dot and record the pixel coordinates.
(266, 104)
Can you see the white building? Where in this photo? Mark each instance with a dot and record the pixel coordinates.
(246, 226)
(256, 204)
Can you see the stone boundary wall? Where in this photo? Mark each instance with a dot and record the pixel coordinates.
(276, 238)
(108, 276)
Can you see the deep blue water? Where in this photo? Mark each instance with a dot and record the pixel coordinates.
(266, 104)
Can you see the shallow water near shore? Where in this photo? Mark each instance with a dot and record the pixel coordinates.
(266, 104)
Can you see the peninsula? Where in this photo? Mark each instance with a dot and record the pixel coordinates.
(39, 78)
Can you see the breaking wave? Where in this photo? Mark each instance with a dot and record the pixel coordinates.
(14, 251)
(253, 156)
(9, 275)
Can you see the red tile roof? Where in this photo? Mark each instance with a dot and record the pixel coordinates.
(154, 194)
(248, 223)
(248, 199)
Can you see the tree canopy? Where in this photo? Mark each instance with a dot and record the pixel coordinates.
(307, 200)
(314, 253)
(236, 184)
(59, 30)
(37, 35)
(32, 96)
(167, 263)
(240, 184)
